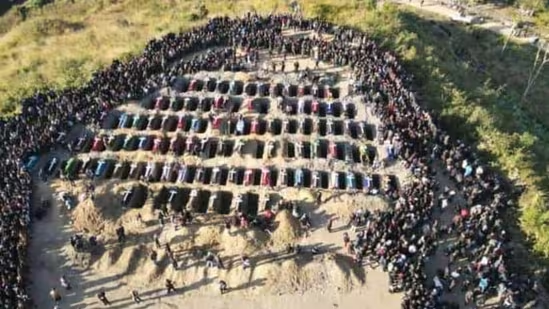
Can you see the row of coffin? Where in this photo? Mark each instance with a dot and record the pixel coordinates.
(197, 200)
(209, 147)
(253, 105)
(190, 174)
(242, 125)
(236, 87)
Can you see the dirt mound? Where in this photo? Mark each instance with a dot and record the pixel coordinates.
(244, 77)
(151, 272)
(80, 259)
(345, 209)
(290, 277)
(208, 236)
(108, 259)
(104, 214)
(287, 230)
(241, 242)
(122, 260)
(86, 217)
(130, 259)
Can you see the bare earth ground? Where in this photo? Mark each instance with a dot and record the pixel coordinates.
(275, 280)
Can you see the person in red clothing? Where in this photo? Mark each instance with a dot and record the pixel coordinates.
(268, 215)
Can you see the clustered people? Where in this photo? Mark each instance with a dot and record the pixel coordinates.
(400, 240)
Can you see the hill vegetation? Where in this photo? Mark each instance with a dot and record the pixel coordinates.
(460, 72)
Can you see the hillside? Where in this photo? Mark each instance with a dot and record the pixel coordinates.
(461, 73)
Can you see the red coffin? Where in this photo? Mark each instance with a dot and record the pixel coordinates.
(192, 85)
(97, 144)
(265, 179)
(315, 107)
(156, 145)
(158, 104)
(218, 102)
(254, 126)
(216, 123)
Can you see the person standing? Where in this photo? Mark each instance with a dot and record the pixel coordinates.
(330, 224)
(65, 283)
(103, 298)
(121, 233)
(157, 241)
(210, 260)
(161, 219)
(135, 297)
(55, 296)
(219, 262)
(169, 286)
(245, 262)
(223, 287)
(154, 257)
(173, 260)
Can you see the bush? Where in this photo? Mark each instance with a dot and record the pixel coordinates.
(542, 19)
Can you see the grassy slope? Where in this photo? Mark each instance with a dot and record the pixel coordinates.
(63, 43)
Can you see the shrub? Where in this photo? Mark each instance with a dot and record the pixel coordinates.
(542, 19)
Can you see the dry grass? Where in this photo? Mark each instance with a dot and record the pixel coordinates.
(63, 43)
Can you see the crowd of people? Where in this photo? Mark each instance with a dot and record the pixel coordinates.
(401, 240)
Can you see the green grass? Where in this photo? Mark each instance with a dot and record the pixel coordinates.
(61, 44)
